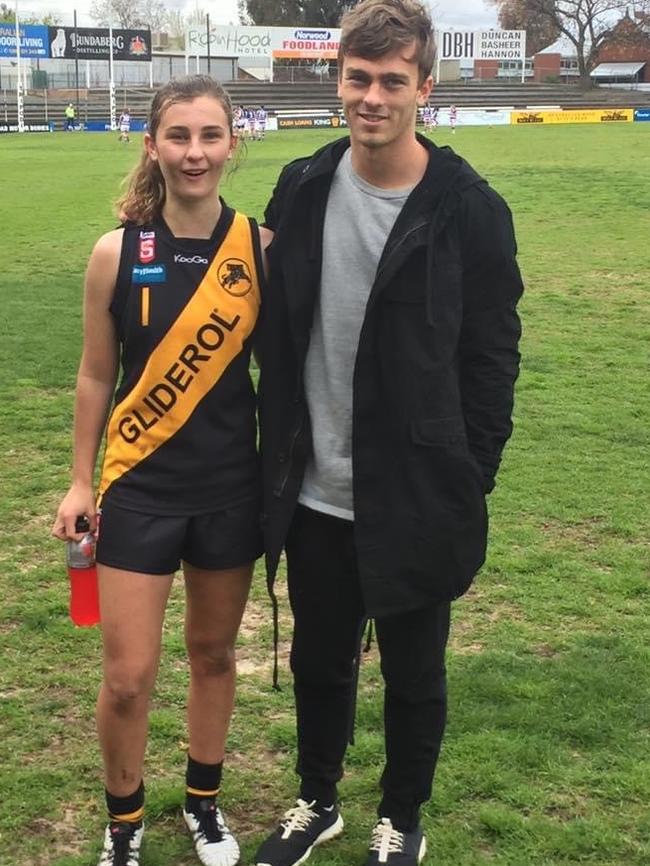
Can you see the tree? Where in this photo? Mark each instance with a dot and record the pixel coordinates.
(541, 31)
(175, 24)
(279, 13)
(196, 17)
(8, 16)
(289, 13)
(585, 23)
(325, 13)
(129, 14)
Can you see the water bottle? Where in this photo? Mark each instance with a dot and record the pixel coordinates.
(84, 595)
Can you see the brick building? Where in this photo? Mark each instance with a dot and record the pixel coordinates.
(626, 50)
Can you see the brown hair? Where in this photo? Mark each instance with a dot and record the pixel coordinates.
(144, 196)
(377, 27)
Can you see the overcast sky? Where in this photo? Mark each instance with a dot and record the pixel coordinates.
(475, 14)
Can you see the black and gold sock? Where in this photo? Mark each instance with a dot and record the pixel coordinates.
(126, 810)
(203, 781)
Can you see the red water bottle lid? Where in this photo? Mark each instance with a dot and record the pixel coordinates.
(82, 524)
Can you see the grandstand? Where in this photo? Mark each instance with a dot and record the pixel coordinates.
(47, 106)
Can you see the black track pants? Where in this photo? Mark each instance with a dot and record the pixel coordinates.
(329, 616)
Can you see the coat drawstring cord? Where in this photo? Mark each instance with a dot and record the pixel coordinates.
(368, 643)
(355, 683)
(276, 632)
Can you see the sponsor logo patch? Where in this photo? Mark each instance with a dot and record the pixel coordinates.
(138, 46)
(152, 274)
(234, 277)
(190, 260)
(320, 35)
(147, 247)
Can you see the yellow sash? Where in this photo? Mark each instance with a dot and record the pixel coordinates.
(208, 334)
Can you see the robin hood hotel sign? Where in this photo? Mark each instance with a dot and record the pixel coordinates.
(265, 42)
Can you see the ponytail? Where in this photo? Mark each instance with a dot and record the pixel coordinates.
(144, 196)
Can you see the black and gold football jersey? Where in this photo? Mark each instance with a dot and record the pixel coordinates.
(181, 438)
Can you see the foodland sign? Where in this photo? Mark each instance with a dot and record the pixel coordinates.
(481, 44)
(265, 42)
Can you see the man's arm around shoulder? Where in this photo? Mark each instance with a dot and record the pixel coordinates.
(284, 188)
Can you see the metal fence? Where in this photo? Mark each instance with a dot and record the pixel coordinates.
(62, 74)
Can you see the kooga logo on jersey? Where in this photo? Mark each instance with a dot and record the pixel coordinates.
(190, 260)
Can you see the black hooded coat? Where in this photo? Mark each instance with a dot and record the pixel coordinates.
(433, 380)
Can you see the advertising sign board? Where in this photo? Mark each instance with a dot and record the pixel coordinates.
(481, 44)
(34, 40)
(585, 115)
(92, 43)
(311, 121)
(264, 42)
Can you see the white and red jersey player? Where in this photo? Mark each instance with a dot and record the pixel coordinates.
(238, 118)
(260, 122)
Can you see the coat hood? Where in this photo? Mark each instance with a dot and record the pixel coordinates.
(446, 172)
(435, 198)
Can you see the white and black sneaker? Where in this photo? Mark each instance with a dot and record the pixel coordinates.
(214, 843)
(302, 827)
(121, 844)
(389, 846)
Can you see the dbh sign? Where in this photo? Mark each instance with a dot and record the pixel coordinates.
(481, 44)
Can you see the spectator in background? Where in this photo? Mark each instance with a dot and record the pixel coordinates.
(124, 125)
(453, 117)
(69, 117)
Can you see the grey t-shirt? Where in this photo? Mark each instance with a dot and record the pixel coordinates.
(358, 220)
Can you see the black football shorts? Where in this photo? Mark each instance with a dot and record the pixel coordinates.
(157, 544)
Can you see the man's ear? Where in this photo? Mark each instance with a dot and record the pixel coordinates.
(424, 90)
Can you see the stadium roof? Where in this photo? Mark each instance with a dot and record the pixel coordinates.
(616, 70)
(561, 46)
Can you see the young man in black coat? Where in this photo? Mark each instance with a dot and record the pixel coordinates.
(389, 357)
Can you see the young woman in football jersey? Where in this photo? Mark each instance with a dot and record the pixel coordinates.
(172, 299)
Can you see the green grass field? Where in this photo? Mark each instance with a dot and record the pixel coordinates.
(547, 755)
